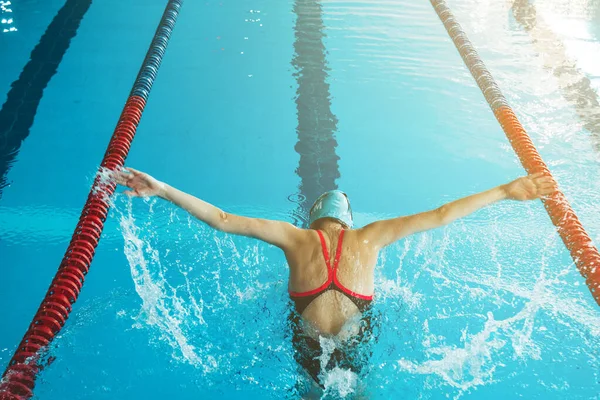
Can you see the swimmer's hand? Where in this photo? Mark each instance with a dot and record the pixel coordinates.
(530, 187)
(141, 184)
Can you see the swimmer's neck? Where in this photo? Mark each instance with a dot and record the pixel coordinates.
(328, 225)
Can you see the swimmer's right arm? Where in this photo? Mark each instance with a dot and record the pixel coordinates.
(278, 233)
(384, 232)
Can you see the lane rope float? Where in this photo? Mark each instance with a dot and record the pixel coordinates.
(19, 378)
(584, 253)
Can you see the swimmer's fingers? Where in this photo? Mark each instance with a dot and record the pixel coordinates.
(142, 184)
(545, 180)
(540, 178)
(123, 178)
(545, 184)
(545, 187)
(135, 172)
(546, 190)
(537, 175)
(120, 177)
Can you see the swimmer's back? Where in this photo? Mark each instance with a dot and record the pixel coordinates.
(308, 270)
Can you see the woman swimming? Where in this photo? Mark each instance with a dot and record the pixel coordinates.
(331, 278)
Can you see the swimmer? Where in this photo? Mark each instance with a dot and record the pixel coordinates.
(331, 264)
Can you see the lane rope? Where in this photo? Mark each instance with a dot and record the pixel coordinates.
(584, 253)
(19, 378)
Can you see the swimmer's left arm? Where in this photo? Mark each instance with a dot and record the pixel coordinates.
(384, 232)
(278, 233)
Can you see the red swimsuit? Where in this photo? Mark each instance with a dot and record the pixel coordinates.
(303, 299)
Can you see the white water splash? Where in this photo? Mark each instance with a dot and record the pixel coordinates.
(337, 381)
(479, 355)
(228, 329)
(474, 364)
(341, 382)
(161, 305)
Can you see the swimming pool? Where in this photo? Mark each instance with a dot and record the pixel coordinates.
(251, 113)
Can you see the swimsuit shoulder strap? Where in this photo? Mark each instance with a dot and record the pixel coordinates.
(338, 252)
(325, 250)
(355, 297)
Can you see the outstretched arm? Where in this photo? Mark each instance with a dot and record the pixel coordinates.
(278, 233)
(384, 232)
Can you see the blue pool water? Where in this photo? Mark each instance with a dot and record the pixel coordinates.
(259, 105)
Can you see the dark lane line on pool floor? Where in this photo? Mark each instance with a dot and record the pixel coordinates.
(18, 112)
(574, 84)
(318, 164)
